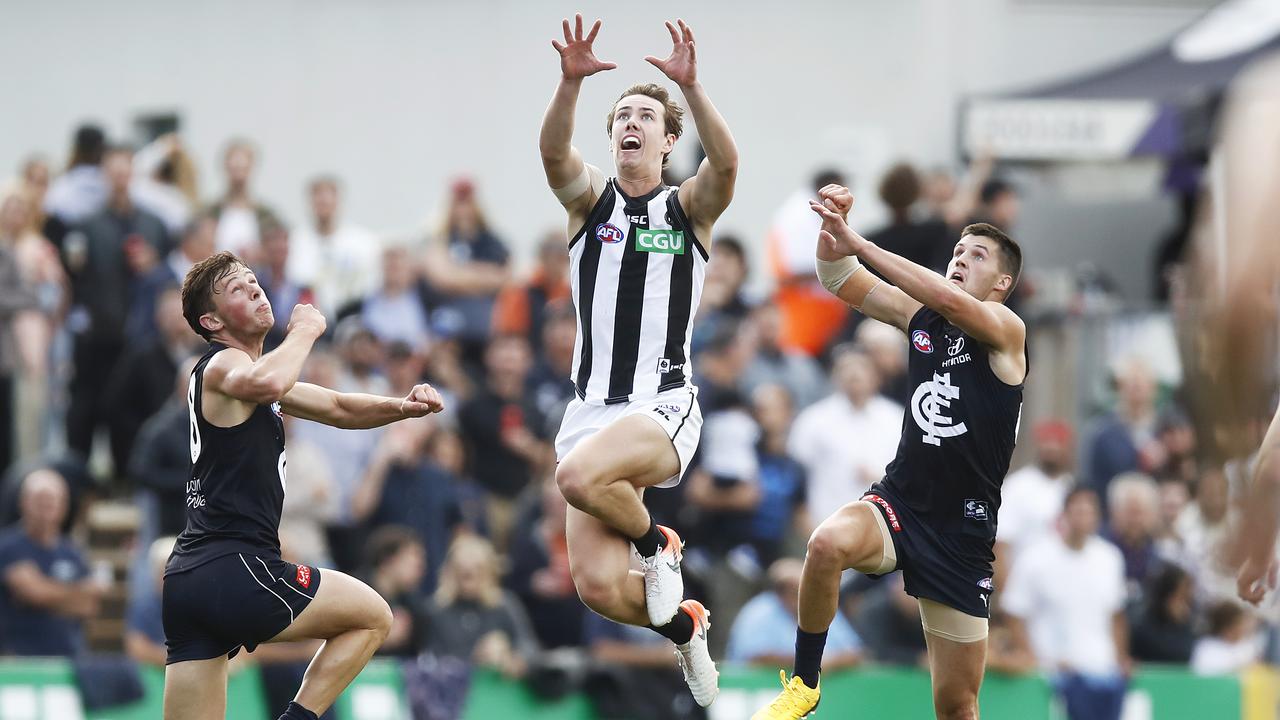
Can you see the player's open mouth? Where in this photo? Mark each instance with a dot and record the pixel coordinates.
(957, 277)
(630, 142)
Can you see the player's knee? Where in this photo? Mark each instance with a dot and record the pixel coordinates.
(576, 482)
(827, 547)
(382, 619)
(596, 592)
(956, 705)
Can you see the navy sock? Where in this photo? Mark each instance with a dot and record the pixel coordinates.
(679, 630)
(651, 542)
(809, 647)
(297, 712)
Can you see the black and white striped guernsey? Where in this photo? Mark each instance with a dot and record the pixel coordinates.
(636, 272)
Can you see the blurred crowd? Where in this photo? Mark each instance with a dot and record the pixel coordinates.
(1111, 539)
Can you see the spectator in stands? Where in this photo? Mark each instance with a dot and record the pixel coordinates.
(82, 190)
(361, 354)
(504, 430)
(161, 461)
(632, 674)
(1134, 513)
(466, 266)
(1163, 630)
(1031, 497)
(18, 307)
(1175, 496)
(348, 455)
(143, 380)
(338, 260)
(470, 616)
(395, 312)
(164, 182)
(405, 486)
(197, 243)
(144, 626)
(549, 380)
(404, 367)
(888, 622)
(239, 212)
(539, 556)
(924, 242)
(272, 270)
(1232, 642)
(309, 502)
(31, 306)
(34, 183)
(763, 635)
(954, 203)
(780, 513)
(811, 316)
(723, 299)
(522, 309)
(846, 440)
(46, 589)
(887, 347)
(772, 363)
(719, 365)
(106, 256)
(1065, 597)
(1204, 528)
(998, 204)
(397, 564)
(1121, 439)
(1176, 451)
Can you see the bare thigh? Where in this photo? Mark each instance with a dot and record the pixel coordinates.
(342, 603)
(850, 537)
(196, 689)
(956, 669)
(634, 448)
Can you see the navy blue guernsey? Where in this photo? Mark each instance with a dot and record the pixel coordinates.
(959, 432)
(236, 489)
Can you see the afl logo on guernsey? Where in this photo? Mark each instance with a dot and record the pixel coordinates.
(608, 233)
(921, 340)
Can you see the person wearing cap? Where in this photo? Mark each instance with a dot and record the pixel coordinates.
(1032, 496)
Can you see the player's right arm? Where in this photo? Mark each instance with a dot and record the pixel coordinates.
(849, 280)
(269, 378)
(1262, 521)
(576, 184)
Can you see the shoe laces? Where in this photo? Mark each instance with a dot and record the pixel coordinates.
(791, 700)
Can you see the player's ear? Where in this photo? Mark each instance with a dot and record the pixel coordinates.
(210, 322)
(1004, 282)
(669, 144)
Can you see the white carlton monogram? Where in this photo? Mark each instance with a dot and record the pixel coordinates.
(929, 407)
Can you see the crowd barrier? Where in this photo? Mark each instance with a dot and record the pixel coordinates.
(45, 689)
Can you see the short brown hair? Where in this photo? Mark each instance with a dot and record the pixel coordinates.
(900, 187)
(672, 113)
(201, 284)
(1010, 251)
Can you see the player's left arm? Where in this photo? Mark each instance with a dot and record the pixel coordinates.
(705, 195)
(989, 322)
(358, 411)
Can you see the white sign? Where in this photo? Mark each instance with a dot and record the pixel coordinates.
(1056, 129)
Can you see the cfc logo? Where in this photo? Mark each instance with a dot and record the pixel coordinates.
(304, 576)
(930, 408)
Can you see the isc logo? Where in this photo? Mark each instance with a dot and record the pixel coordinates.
(670, 242)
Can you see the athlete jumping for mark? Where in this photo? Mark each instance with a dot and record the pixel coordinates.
(638, 255)
(226, 586)
(934, 514)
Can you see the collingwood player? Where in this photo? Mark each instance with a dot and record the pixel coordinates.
(226, 586)
(933, 516)
(638, 255)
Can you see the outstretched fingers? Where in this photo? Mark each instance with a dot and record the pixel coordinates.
(685, 30)
(675, 34)
(577, 26)
(568, 34)
(595, 29)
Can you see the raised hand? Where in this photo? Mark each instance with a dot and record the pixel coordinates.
(836, 235)
(837, 198)
(577, 59)
(682, 64)
(421, 400)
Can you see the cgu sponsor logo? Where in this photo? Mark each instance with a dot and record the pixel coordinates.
(670, 242)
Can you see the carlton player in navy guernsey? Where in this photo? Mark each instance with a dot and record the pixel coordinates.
(638, 256)
(226, 586)
(933, 516)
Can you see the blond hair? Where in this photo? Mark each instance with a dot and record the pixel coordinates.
(470, 550)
